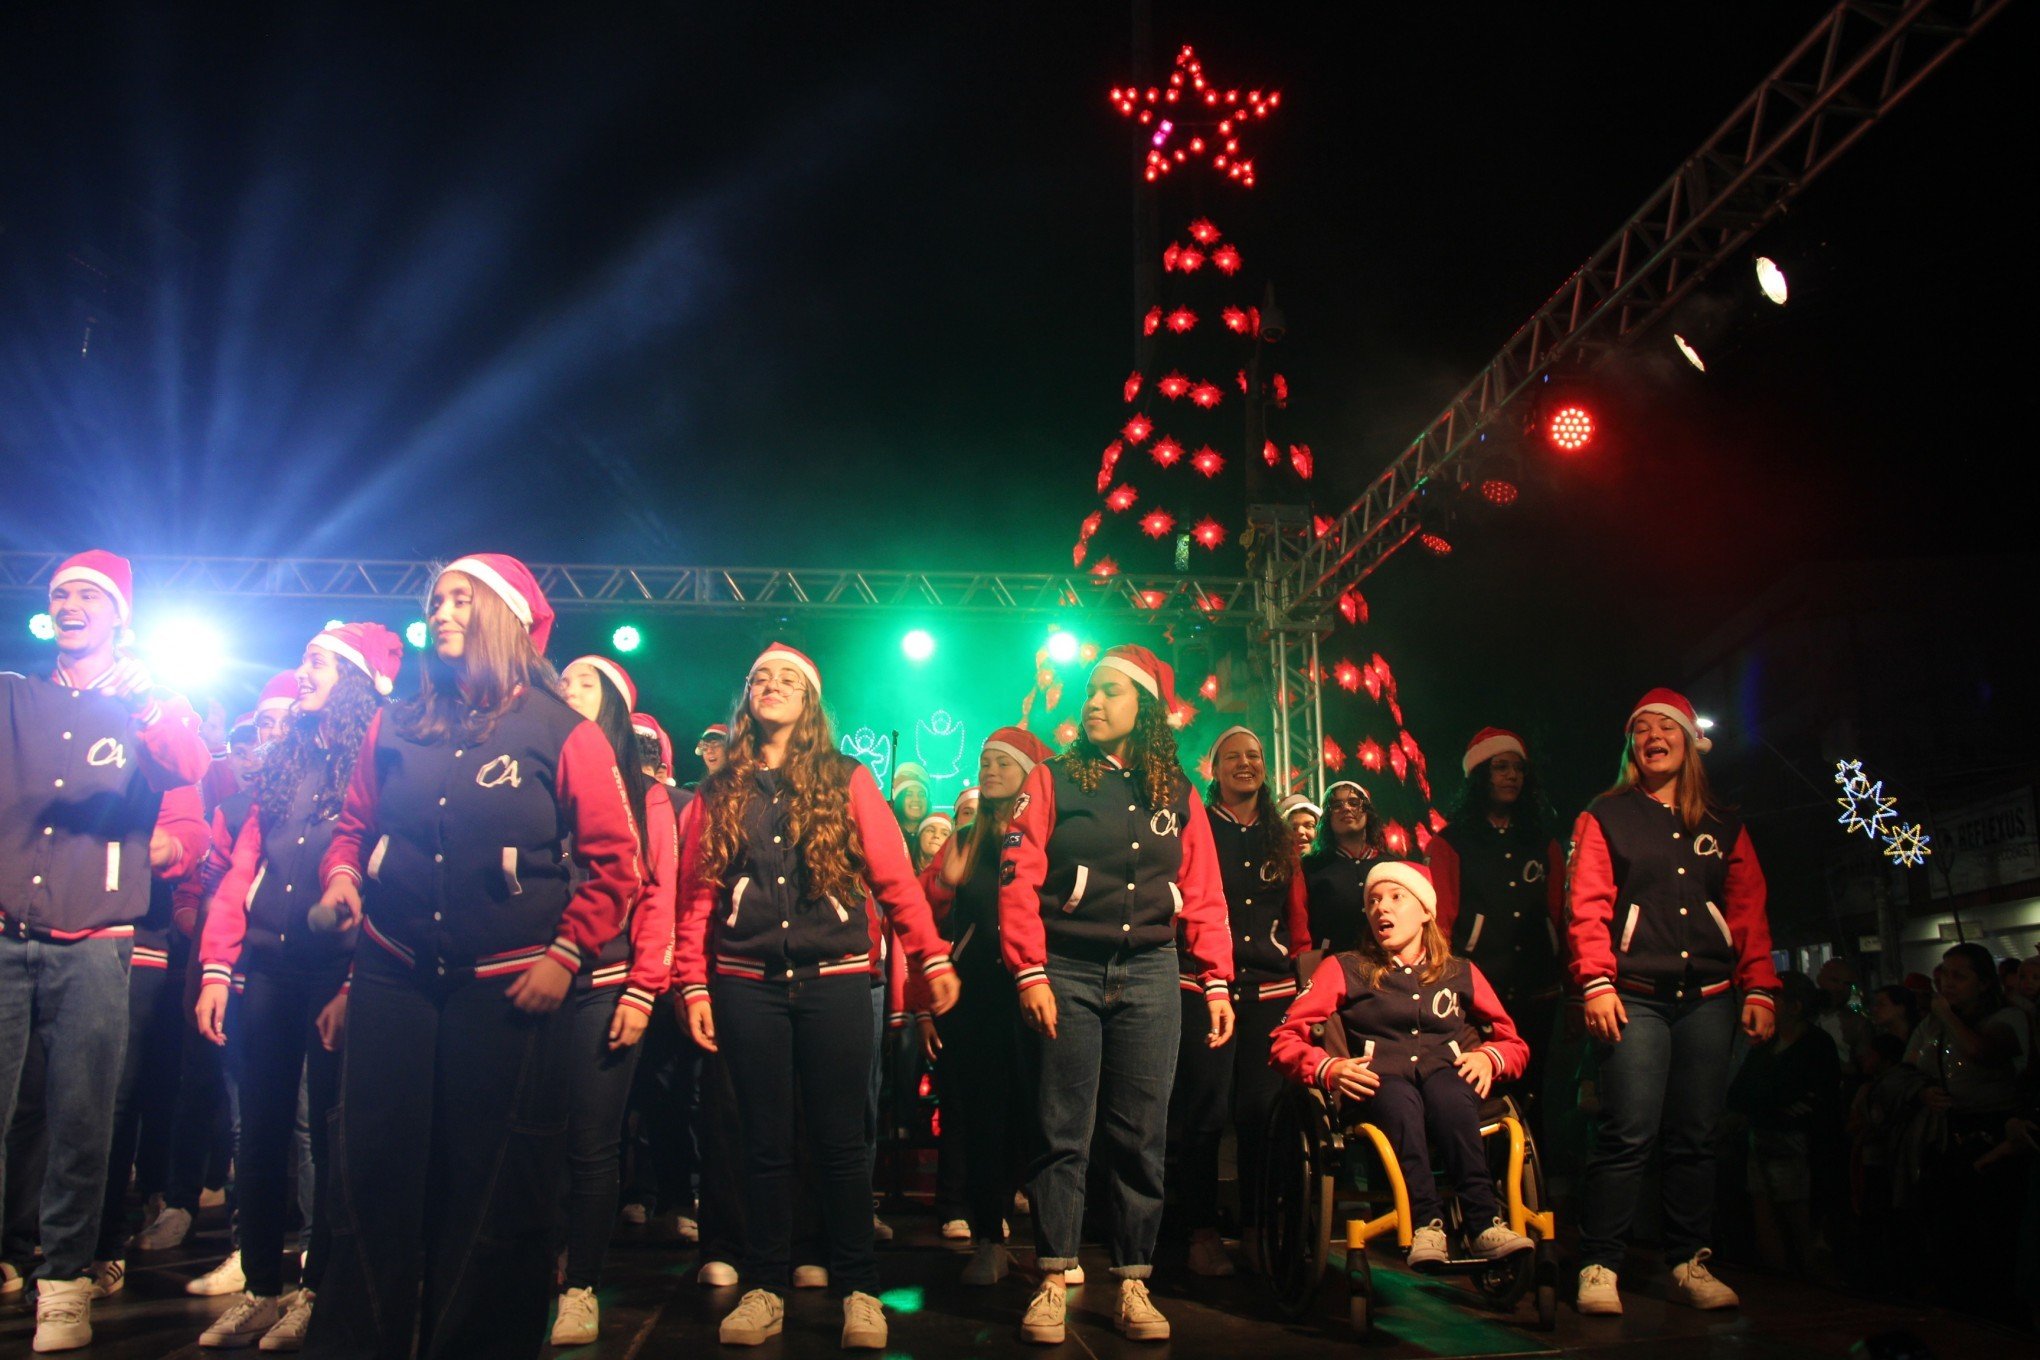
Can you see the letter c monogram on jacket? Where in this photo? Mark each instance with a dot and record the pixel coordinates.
(1445, 1002)
(107, 751)
(1533, 872)
(1705, 844)
(501, 770)
(1165, 822)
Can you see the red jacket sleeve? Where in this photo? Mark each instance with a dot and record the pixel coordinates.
(182, 815)
(1749, 921)
(651, 925)
(1589, 909)
(890, 874)
(1290, 1048)
(1444, 864)
(1554, 895)
(1023, 867)
(941, 897)
(690, 920)
(226, 919)
(172, 753)
(1298, 913)
(1511, 1055)
(1207, 932)
(188, 904)
(898, 987)
(358, 821)
(597, 813)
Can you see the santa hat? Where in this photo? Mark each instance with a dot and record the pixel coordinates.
(613, 673)
(1021, 745)
(512, 583)
(244, 723)
(98, 567)
(1488, 743)
(713, 732)
(1297, 802)
(934, 817)
(1228, 735)
(280, 692)
(1336, 785)
(784, 655)
(907, 772)
(374, 648)
(1414, 879)
(645, 725)
(1145, 669)
(968, 796)
(1673, 705)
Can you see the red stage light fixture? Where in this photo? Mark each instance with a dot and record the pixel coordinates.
(1499, 491)
(1435, 543)
(1569, 427)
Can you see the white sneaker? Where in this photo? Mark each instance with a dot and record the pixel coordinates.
(579, 1320)
(635, 1215)
(289, 1332)
(1428, 1247)
(169, 1230)
(1207, 1254)
(225, 1278)
(864, 1326)
(810, 1277)
(212, 1199)
(244, 1324)
(716, 1274)
(1597, 1293)
(1047, 1315)
(881, 1230)
(757, 1316)
(11, 1282)
(1499, 1240)
(63, 1315)
(956, 1230)
(1694, 1285)
(152, 1209)
(108, 1278)
(1138, 1318)
(987, 1264)
(686, 1229)
(1074, 1276)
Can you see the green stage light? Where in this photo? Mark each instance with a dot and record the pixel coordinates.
(415, 633)
(626, 639)
(1062, 647)
(42, 627)
(919, 644)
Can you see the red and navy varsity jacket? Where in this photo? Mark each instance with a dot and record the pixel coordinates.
(1404, 1027)
(158, 942)
(464, 846)
(1651, 908)
(82, 785)
(1501, 902)
(1269, 919)
(640, 959)
(272, 882)
(1085, 873)
(1335, 888)
(766, 923)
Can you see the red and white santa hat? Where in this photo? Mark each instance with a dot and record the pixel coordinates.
(280, 692)
(512, 583)
(375, 649)
(98, 567)
(1488, 743)
(967, 798)
(780, 654)
(713, 732)
(1297, 802)
(1414, 879)
(1019, 744)
(613, 673)
(1227, 735)
(1673, 705)
(935, 819)
(645, 725)
(1145, 669)
(1338, 784)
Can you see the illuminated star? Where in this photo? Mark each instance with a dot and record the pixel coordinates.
(1866, 810)
(1908, 846)
(1191, 118)
(1849, 774)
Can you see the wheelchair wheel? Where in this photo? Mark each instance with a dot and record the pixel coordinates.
(1359, 1316)
(1296, 1201)
(1547, 1306)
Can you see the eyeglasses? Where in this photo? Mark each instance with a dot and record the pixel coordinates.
(792, 684)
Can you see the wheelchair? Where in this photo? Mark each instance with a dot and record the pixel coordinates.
(1313, 1224)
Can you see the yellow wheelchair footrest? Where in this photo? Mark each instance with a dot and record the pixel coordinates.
(1359, 1231)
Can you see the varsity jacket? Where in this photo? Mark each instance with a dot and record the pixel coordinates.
(640, 958)
(158, 942)
(272, 882)
(1653, 909)
(461, 846)
(967, 916)
(767, 923)
(1098, 872)
(1501, 902)
(1335, 886)
(82, 785)
(1269, 920)
(1405, 1027)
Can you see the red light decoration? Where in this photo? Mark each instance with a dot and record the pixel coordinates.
(1092, 523)
(1239, 378)
(1387, 676)
(1235, 320)
(1121, 499)
(1173, 386)
(1396, 838)
(1209, 603)
(1065, 732)
(1269, 453)
(1152, 322)
(1137, 429)
(1498, 492)
(1209, 533)
(1394, 708)
(1370, 755)
(1570, 428)
(1335, 758)
(1203, 232)
(1104, 568)
(1156, 523)
(1182, 715)
(1131, 387)
(1208, 461)
(1209, 689)
(1166, 451)
(1153, 599)
(1170, 256)
(1423, 838)
(1079, 552)
(1054, 695)
(1279, 385)
(1044, 677)
(1435, 544)
(1182, 124)
(1181, 321)
(1300, 458)
(1107, 462)
(1352, 606)
(1410, 748)
(1437, 820)
(1226, 260)
(1206, 395)
(1347, 676)
(1190, 260)
(1321, 526)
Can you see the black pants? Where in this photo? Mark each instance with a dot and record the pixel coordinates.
(664, 1154)
(278, 1044)
(1537, 1022)
(202, 1130)
(987, 1074)
(452, 1125)
(719, 1137)
(154, 1038)
(808, 1041)
(1215, 1087)
(1444, 1107)
(599, 1079)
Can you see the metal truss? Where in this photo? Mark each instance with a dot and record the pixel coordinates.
(696, 590)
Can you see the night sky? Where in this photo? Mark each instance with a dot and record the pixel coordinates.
(854, 285)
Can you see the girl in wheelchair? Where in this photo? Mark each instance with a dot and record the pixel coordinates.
(1413, 1016)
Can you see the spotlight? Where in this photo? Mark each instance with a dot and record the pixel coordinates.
(415, 633)
(1569, 427)
(185, 653)
(1704, 724)
(626, 639)
(1686, 348)
(1435, 543)
(918, 645)
(1062, 647)
(42, 627)
(1499, 491)
(1771, 279)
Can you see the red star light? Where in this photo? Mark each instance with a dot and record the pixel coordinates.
(1347, 675)
(1137, 429)
(1209, 689)
(1104, 567)
(1152, 322)
(1122, 498)
(1269, 453)
(1190, 259)
(1166, 451)
(1079, 553)
(1335, 757)
(1182, 320)
(1208, 461)
(1092, 523)
(1065, 732)
(1153, 599)
(1300, 458)
(1370, 754)
(1131, 387)
(1206, 395)
(1194, 119)
(1352, 606)
(1209, 533)
(1156, 523)
(1235, 320)
(1173, 386)
(1226, 260)
(1203, 232)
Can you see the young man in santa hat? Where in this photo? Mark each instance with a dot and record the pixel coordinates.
(87, 756)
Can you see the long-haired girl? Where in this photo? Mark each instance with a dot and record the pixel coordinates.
(1350, 840)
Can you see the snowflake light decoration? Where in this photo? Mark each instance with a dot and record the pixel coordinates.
(1865, 808)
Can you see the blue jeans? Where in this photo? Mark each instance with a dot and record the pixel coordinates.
(73, 1000)
(1664, 1084)
(1117, 1023)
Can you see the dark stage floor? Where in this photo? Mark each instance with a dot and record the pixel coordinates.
(652, 1308)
